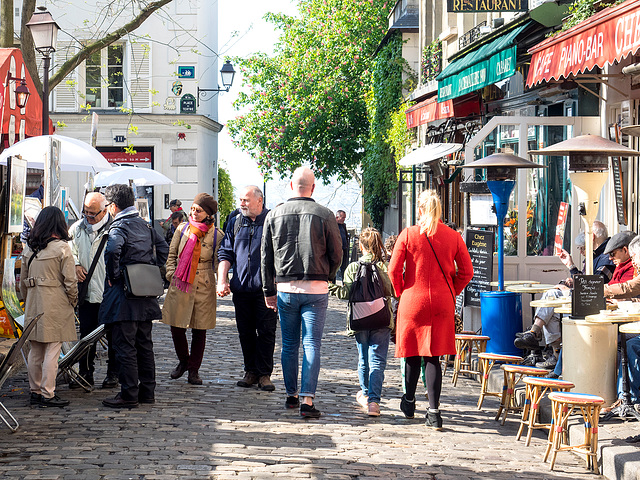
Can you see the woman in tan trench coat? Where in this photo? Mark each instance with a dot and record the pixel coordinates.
(191, 299)
(49, 285)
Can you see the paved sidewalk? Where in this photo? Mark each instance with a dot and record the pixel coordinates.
(222, 431)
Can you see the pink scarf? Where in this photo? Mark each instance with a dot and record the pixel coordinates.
(188, 259)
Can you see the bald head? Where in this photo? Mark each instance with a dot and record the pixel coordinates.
(95, 199)
(95, 207)
(303, 182)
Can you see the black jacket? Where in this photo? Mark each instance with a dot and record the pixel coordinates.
(243, 252)
(300, 241)
(130, 241)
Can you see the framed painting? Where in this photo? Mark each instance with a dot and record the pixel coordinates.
(17, 178)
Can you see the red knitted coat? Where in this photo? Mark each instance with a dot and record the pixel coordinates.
(425, 323)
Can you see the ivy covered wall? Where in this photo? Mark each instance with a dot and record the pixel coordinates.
(379, 176)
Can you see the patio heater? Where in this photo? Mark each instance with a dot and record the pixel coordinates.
(588, 165)
(501, 311)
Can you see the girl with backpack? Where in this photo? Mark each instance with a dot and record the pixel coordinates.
(366, 282)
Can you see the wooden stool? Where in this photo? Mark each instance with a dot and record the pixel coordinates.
(464, 348)
(562, 406)
(512, 375)
(536, 388)
(487, 360)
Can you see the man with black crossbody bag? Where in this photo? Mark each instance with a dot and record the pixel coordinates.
(88, 238)
(131, 306)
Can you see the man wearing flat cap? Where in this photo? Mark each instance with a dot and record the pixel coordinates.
(618, 251)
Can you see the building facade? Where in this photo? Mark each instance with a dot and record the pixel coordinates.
(144, 89)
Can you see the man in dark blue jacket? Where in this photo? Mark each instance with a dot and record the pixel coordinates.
(256, 323)
(131, 241)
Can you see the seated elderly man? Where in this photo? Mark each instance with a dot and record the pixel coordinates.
(546, 320)
(629, 290)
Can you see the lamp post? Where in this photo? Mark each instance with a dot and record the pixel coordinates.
(44, 31)
(501, 311)
(227, 73)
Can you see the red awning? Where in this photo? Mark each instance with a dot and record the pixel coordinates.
(607, 37)
(18, 123)
(428, 111)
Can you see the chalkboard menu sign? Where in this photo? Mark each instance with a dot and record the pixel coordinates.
(480, 246)
(588, 295)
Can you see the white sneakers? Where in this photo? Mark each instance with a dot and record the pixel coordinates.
(362, 399)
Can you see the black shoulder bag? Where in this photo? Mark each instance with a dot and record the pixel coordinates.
(459, 326)
(143, 280)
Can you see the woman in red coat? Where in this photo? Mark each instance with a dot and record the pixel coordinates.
(425, 324)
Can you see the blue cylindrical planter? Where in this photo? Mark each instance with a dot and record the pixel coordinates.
(501, 315)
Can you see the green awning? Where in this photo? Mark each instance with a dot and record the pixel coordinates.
(492, 62)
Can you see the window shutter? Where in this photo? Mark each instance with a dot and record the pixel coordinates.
(65, 94)
(139, 79)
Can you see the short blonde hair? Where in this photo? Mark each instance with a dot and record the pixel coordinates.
(430, 209)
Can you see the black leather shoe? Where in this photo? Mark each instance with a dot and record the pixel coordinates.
(179, 370)
(54, 401)
(119, 402)
(194, 378)
(147, 400)
(35, 399)
(309, 411)
(111, 381)
(292, 402)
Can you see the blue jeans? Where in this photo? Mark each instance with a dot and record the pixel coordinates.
(373, 346)
(300, 312)
(633, 354)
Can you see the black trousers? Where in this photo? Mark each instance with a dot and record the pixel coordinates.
(257, 330)
(88, 317)
(134, 351)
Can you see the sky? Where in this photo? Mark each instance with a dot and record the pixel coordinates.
(254, 34)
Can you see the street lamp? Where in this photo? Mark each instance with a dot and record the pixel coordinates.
(22, 91)
(227, 73)
(44, 31)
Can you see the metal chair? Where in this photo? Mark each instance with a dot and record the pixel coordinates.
(8, 365)
(69, 359)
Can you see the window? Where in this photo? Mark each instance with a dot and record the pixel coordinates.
(105, 78)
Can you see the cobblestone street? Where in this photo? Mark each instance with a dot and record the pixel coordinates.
(222, 431)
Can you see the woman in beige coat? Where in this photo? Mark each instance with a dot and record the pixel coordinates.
(48, 285)
(191, 299)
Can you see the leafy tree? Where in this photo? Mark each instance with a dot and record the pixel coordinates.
(306, 104)
(135, 13)
(226, 195)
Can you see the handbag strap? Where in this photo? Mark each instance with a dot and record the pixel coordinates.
(155, 262)
(441, 269)
(94, 264)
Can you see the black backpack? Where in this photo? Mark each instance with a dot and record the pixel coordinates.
(368, 309)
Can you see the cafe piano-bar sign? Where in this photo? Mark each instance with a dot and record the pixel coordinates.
(461, 6)
(605, 38)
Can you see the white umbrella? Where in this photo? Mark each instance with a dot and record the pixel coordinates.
(75, 155)
(428, 153)
(142, 177)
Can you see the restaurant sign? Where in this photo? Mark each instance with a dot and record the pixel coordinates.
(487, 72)
(462, 6)
(604, 39)
(428, 111)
